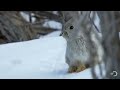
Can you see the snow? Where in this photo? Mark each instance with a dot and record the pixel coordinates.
(53, 34)
(42, 58)
(53, 24)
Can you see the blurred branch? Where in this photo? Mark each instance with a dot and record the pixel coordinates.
(14, 28)
(46, 15)
(43, 30)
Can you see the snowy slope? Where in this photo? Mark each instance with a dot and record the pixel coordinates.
(53, 34)
(37, 59)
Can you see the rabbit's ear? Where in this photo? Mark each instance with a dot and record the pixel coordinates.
(67, 15)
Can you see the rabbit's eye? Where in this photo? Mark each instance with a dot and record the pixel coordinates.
(71, 27)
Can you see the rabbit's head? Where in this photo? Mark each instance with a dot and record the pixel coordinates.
(73, 24)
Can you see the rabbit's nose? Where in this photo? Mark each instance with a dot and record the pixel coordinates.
(65, 33)
(61, 34)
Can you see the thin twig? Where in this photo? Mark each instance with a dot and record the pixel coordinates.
(93, 23)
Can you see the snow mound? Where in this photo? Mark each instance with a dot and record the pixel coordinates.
(37, 59)
(54, 34)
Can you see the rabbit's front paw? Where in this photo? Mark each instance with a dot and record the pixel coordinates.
(81, 68)
(72, 69)
(76, 69)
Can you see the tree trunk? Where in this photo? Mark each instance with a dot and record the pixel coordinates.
(110, 26)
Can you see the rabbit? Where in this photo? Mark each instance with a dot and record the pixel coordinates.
(77, 50)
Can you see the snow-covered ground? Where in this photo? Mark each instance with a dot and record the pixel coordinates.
(42, 58)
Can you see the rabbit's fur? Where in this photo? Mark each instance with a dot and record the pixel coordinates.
(77, 51)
